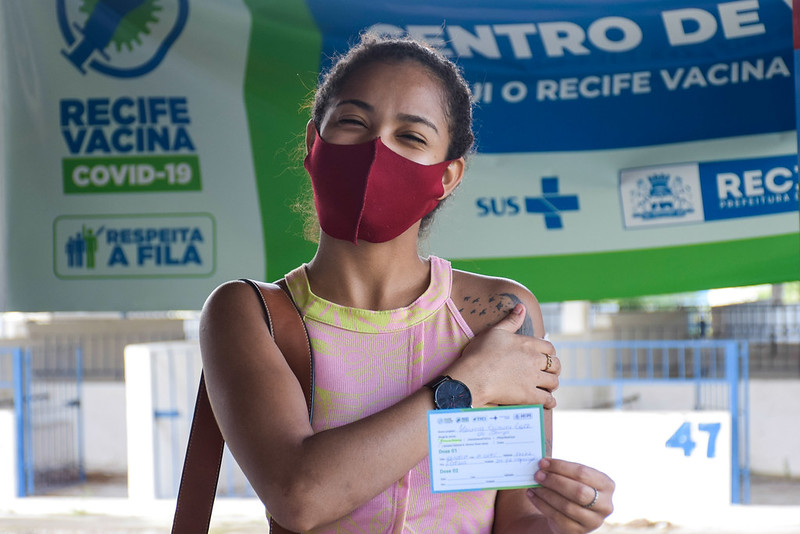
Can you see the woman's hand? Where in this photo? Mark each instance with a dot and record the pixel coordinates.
(503, 367)
(573, 497)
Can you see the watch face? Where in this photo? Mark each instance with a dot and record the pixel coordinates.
(453, 394)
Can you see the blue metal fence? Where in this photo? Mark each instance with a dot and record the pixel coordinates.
(716, 370)
(48, 420)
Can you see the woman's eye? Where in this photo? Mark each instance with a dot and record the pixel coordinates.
(357, 122)
(415, 138)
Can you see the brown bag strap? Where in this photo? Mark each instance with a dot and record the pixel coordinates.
(290, 334)
(201, 466)
(200, 469)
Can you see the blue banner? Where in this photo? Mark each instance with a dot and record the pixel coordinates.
(585, 75)
(749, 187)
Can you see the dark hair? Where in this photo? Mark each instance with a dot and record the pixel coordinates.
(374, 48)
(378, 49)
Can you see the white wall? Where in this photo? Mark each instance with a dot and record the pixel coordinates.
(159, 377)
(774, 416)
(139, 413)
(653, 480)
(8, 456)
(775, 427)
(104, 423)
(637, 397)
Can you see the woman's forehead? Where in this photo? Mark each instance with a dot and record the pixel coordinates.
(406, 85)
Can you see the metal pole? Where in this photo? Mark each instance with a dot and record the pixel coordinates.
(79, 407)
(27, 389)
(732, 374)
(19, 415)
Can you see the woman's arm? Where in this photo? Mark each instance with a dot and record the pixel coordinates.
(515, 513)
(307, 479)
(558, 506)
(485, 301)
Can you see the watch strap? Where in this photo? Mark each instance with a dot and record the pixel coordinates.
(433, 384)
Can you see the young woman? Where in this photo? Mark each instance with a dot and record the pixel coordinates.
(389, 330)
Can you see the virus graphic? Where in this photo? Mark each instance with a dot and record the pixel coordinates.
(137, 16)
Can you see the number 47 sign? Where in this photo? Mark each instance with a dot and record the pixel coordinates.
(682, 438)
(689, 453)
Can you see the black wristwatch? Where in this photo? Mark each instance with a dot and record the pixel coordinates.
(449, 393)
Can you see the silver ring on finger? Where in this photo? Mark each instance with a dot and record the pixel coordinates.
(594, 501)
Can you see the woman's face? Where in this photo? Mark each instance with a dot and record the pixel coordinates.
(399, 102)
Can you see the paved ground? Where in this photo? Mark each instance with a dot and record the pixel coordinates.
(101, 507)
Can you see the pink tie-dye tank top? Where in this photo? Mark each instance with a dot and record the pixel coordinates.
(365, 361)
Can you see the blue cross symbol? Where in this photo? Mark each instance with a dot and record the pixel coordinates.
(551, 204)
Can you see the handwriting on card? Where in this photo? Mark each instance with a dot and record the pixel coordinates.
(486, 448)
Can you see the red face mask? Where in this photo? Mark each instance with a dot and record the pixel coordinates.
(368, 192)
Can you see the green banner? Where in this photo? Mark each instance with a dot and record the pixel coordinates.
(282, 67)
(624, 154)
(649, 272)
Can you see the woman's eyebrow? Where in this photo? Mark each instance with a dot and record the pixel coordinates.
(358, 103)
(406, 117)
(417, 119)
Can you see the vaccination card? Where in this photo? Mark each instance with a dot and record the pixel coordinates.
(485, 448)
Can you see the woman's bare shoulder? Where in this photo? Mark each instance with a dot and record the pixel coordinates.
(232, 315)
(229, 301)
(484, 300)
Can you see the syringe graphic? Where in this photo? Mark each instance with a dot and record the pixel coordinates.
(99, 29)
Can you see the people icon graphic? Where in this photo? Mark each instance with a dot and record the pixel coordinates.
(83, 243)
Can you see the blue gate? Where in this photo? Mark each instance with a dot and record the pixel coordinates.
(175, 375)
(48, 418)
(716, 371)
